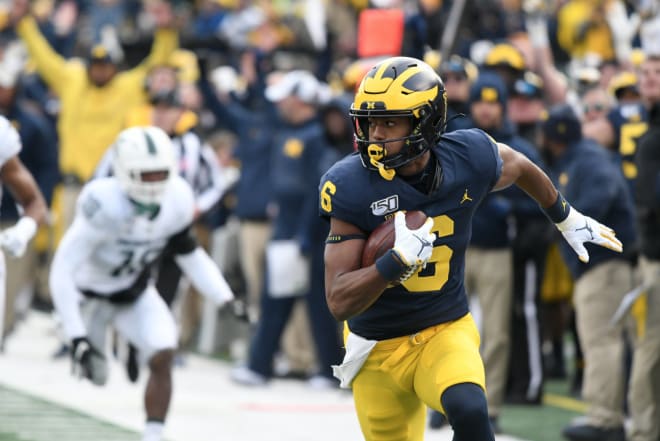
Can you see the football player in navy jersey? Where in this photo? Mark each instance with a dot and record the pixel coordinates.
(410, 339)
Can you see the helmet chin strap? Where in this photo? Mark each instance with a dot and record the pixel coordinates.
(376, 153)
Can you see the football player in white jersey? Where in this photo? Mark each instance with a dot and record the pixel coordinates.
(20, 182)
(101, 275)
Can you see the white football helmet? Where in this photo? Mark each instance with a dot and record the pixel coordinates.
(140, 153)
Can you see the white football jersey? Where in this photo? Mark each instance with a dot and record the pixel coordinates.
(126, 241)
(10, 142)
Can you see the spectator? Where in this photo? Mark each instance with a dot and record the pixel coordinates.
(588, 175)
(94, 96)
(458, 74)
(489, 260)
(526, 106)
(297, 161)
(644, 393)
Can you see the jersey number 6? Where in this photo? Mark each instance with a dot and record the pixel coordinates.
(436, 273)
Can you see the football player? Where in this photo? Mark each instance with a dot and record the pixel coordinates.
(19, 181)
(122, 224)
(410, 339)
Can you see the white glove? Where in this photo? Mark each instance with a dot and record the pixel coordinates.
(414, 247)
(578, 229)
(14, 240)
(9, 138)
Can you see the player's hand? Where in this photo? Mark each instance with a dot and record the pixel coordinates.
(578, 229)
(414, 247)
(14, 240)
(82, 361)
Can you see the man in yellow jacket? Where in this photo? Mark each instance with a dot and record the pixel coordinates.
(95, 96)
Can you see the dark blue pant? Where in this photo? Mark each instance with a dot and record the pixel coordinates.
(275, 314)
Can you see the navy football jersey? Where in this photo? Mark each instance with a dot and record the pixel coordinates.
(349, 192)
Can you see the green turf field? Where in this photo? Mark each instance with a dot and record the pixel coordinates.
(543, 423)
(26, 418)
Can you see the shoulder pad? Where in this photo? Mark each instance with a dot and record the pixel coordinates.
(103, 204)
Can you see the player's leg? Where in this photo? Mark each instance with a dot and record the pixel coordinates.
(97, 315)
(149, 325)
(385, 402)
(450, 378)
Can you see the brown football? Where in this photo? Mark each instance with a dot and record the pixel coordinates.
(382, 238)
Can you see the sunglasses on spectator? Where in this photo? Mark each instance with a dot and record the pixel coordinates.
(596, 107)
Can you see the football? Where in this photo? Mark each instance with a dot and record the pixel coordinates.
(382, 238)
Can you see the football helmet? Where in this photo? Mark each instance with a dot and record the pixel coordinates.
(399, 87)
(144, 163)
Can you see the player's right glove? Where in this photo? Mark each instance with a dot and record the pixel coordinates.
(414, 247)
(578, 229)
(412, 250)
(87, 361)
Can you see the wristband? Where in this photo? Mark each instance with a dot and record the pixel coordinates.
(558, 211)
(390, 266)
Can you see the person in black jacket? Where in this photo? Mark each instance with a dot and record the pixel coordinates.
(589, 175)
(644, 392)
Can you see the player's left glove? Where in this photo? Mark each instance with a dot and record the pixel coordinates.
(14, 240)
(87, 361)
(578, 229)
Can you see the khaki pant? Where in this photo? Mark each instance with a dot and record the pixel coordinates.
(253, 238)
(296, 341)
(598, 293)
(644, 393)
(489, 275)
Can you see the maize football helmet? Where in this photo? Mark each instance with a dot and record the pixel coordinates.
(399, 87)
(144, 163)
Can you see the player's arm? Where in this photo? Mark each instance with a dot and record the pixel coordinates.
(23, 187)
(74, 249)
(349, 289)
(576, 228)
(518, 169)
(199, 267)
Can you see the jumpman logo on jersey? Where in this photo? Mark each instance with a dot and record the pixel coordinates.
(466, 197)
